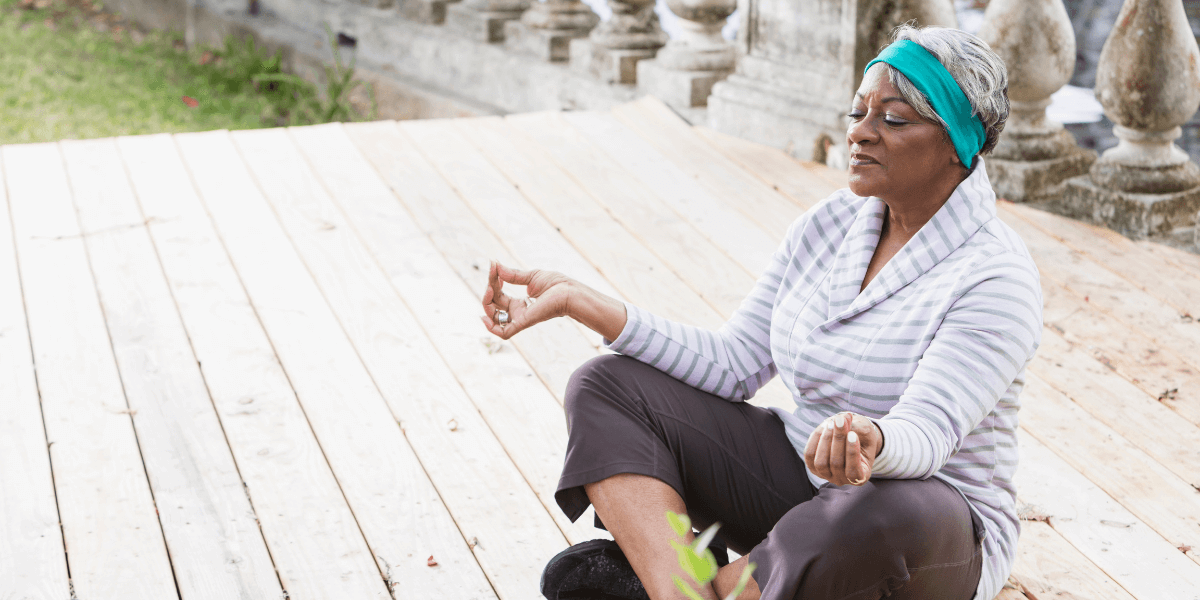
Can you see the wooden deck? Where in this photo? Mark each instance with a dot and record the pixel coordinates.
(248, 364)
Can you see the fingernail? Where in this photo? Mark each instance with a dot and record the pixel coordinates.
(839, 421)
(852, 437)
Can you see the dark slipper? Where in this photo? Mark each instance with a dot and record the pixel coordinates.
(593, 570)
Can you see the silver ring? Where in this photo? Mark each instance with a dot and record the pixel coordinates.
(502, 317)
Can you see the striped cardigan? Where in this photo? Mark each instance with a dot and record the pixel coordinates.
(934, 349)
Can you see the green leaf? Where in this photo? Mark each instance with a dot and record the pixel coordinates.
(742, 582)
(706, 538)
(680, 523)
(701, 566)
(686, 589)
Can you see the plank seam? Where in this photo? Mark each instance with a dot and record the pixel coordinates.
(283, 368)
(87, 253)
(36, 381)
(192, 348)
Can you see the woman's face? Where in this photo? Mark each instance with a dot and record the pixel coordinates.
(894, 153)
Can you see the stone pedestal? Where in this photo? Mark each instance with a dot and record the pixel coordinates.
(684, 72)
(1148, 82)
(1132, 214)
(483, 20)
(432, 12)
(613, 49)
(547, 29)
(680, 89)
(610, 65)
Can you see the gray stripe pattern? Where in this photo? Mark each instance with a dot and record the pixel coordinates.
(935, 348)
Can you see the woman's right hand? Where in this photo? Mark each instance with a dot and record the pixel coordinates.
(547, 298)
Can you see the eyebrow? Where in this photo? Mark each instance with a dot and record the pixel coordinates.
(858, 96)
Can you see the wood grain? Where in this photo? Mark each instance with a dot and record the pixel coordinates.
(112, 535)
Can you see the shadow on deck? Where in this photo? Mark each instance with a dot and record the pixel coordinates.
(255, 362)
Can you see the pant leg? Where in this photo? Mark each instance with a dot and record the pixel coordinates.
(899, 539)
(729, 461)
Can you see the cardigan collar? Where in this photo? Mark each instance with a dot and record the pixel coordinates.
(970, 206)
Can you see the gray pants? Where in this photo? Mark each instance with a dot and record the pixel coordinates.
(732, 463)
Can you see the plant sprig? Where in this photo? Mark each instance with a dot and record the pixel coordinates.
(697, 561)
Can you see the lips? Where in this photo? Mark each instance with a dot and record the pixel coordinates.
(858, 160)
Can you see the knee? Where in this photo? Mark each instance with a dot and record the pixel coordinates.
(593, 378)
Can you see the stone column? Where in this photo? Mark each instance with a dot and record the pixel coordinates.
(1148, 81)
(801, 62)
(1035, 155)
(484, 20)
(684, 72)
(615, 46)
(547, 28)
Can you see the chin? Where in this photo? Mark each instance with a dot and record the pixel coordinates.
(861, 186)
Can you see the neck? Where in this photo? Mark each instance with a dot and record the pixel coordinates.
(908, 214)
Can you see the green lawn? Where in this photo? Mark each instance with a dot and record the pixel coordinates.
(68, 71)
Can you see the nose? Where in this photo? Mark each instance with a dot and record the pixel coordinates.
(863, 131)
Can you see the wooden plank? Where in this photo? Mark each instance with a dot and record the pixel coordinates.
(639, 275)
(1149, 272)
(1121, 405)
(805, 183)
(571, 209)
(1153, 367)
(395, 505)
(465, 462)
(704, 266)
(499, 204)
(1107, 292)
(1182, 258)
(1145, 488)
(110, 529)
(1131, 553)
(524, 416)
(1048, 566)
(665, 130)
(555, 348)
(31, 543)
(749, 244)
(315, 543)
(216, 548)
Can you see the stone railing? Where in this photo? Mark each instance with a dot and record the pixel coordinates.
(786, 82)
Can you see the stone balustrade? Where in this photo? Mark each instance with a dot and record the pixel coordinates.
(786, 82)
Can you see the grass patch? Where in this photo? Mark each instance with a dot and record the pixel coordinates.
(70, 71)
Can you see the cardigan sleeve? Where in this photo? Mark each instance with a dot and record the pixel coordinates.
(987, 338)
(732, 362)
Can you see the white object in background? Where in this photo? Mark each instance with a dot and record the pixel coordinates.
(1073, 104)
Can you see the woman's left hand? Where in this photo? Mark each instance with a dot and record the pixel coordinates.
(842, 450)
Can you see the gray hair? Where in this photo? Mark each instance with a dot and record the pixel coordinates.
(979, 72)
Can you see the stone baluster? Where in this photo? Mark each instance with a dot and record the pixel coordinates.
(1148, 81)
(1035, 155)
(483, 20)
(547, 28)
(614, 48)
(683, 73)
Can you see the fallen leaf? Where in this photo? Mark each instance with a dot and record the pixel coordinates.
(1185, 548)
(430, 562)
(190, 101)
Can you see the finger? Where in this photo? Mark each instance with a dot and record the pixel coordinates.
(821, 459)
(503, 332)
(514, 276)
(810, 449)
(854, 464)
(837, 450)
(499, 298)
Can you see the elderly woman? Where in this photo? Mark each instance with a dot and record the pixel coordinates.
(900, 313)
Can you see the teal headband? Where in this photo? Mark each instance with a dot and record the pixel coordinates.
(948, 100)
